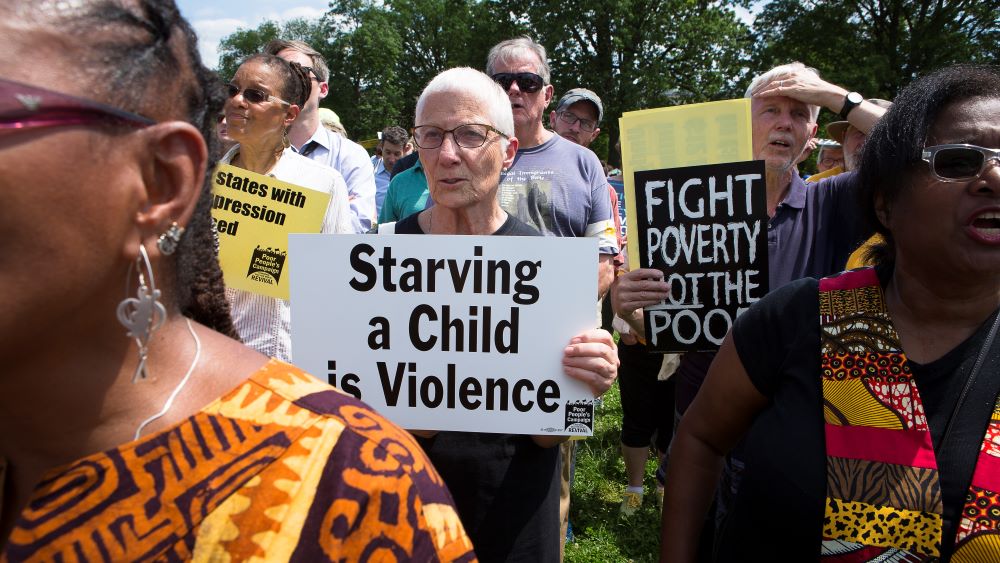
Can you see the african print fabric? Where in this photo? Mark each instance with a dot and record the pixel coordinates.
(883, 493)
(283, 468)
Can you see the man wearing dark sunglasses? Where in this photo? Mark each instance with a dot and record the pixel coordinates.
(554, 185)
(316, 142)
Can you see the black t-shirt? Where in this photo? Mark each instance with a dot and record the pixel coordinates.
(512, 227)
(780, 506)
(505, 487)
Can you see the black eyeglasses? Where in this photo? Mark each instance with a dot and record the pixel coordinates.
(312, 71)
(568, 118)
(469, 135)
(958, 163)
(25, 107)
(527, 82)
(253, 95)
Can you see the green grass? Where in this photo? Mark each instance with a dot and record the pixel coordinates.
(600, 534)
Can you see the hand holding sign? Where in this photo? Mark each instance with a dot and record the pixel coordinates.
(592, 357)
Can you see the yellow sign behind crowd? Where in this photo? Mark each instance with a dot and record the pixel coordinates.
(691, 135)
(254, 214)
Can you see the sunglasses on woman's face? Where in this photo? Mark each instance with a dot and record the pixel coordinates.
(25, 107)
(959, 163)
(253, 95)
(527, 82)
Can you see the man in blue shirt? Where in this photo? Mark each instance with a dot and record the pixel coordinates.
(316, 142)
(393, 145)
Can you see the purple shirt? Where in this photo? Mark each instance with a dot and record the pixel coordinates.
(814, 229)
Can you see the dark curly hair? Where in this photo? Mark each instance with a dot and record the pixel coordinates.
(142, 56)
(892, 153)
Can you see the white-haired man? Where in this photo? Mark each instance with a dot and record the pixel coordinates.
(556, 186)
(318, 143)
(811, 230)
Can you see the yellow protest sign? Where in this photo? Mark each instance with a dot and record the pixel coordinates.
(674, 137)
(254, 214)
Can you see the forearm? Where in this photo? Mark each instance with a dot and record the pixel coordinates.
(605, 274)
(692, 475)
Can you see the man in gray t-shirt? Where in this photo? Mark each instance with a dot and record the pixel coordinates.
(554, 185)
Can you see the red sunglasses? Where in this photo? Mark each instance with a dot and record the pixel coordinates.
(24, 107)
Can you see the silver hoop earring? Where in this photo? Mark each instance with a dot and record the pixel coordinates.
(168, 241)
(142, 315)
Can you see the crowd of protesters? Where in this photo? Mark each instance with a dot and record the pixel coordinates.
(849, 415)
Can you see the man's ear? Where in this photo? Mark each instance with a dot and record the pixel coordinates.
(508, 157)
(173, 177)
(552, 120)
(407, 148)
(324, 90)
(597, 131)
(549, 91)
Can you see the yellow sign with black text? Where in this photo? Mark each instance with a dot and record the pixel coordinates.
(679, 136)
(253, 215)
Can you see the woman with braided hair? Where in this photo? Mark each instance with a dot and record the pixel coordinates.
(132, 425)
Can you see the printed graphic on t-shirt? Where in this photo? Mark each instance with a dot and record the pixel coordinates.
(527, 195)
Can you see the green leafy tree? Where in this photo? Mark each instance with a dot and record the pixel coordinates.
(245, 42)
(877, 47)
(638, 54)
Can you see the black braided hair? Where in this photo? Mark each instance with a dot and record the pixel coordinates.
(142, 56)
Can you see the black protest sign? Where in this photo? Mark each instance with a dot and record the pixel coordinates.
(705, 227)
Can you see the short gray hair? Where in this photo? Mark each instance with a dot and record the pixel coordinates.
(762, 80)
(470, 81)
(505, 51)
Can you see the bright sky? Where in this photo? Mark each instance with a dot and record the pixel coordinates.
(215, 19)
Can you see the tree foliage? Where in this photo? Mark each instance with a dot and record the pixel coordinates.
(634, 53)
(877, 46)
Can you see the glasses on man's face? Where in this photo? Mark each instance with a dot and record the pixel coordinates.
(469, 136)
(312, 71)
(958, 163)
(831, 162)
(568, 118)
(253, 95)
(24, 107)
(527, 82)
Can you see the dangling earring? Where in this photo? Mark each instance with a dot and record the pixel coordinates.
(142, 315)
(168, 241)
(284, 140)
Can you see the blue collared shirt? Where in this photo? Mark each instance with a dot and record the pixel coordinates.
(352, 161)
(382, 177)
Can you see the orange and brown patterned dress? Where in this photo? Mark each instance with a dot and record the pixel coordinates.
(283, 468)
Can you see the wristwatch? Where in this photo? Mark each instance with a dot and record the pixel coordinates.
(851, 101)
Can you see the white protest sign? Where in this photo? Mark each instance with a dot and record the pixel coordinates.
(448, 332)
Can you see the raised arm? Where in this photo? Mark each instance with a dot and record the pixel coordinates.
(811, 89)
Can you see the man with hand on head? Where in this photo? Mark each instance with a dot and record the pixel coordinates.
(810, 232)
